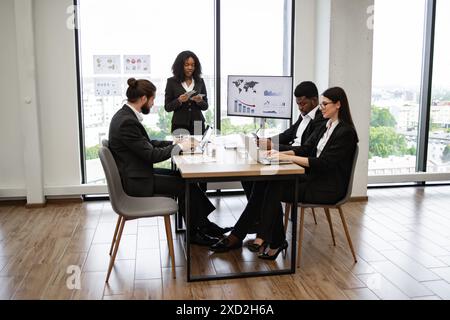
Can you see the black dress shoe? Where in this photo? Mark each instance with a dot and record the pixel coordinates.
(214, 230)
(225, 245)
(202, 239)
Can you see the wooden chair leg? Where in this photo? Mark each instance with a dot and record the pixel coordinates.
(119, 220)
(116, 248)
(170, 243)
(314, 215)
(287, 212)
(347, 234)
(330, 223)
(300, 236)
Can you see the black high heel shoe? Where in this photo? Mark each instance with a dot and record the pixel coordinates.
(266, 256)
(253, 247)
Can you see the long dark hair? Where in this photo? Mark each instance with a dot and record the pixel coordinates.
(337, 94)
(139, 88)
(178, 66)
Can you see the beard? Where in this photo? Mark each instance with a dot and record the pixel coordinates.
(145, 109)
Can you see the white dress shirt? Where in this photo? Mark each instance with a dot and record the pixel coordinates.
(138, 115)
(188, 88)
(326, 136)
(306, 119)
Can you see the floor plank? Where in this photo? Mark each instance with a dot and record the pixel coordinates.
(401, 238)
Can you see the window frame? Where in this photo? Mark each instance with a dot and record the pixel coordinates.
(421, 176)
(289, 33)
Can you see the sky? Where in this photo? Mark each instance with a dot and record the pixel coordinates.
(251, 35)
(398, 43)
(165, 28)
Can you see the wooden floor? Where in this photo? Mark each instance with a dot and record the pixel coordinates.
(401, 236)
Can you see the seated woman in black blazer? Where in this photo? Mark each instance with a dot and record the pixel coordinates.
(327, 156)
(187, 111)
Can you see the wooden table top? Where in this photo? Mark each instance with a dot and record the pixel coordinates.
(229, 163)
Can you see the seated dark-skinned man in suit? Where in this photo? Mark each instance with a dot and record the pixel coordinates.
(310, 119)
(135, 155)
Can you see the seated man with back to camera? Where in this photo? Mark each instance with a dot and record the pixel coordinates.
(135, 155)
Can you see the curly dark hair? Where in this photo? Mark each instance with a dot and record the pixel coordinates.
(178, 66)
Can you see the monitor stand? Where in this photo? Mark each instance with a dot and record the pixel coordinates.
(262, 126)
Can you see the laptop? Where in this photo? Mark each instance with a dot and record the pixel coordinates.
(203, 143)
(254, 153)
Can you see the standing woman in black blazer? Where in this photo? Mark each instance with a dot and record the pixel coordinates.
(187, 111)
(328, 158)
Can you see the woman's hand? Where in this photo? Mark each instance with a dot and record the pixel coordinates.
(183, 98)
(197, 99)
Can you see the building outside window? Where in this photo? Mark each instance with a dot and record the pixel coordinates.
(140, 38)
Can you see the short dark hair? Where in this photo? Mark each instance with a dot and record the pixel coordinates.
(306, 89)
(139, 88)
(178, 66)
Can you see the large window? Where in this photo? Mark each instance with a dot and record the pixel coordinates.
(139, 38)
(113, 31)
(252, 40)
(439, 134)
(410, 124)
(397, 61)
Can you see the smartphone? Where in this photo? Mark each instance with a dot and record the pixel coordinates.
(190, 93)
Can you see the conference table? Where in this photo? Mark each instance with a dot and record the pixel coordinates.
(220, 163)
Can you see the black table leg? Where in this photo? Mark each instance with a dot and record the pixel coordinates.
(294, 210)
(188, 231)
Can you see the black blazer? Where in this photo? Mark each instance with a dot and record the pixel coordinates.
(328, 175)
(184, 114)
(135, 153)
(287, 138)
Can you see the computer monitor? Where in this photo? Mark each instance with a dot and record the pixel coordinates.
(260, 96)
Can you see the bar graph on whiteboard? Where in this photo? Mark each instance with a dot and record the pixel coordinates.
(244, 108)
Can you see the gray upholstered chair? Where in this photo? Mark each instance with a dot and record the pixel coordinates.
(131, 208)
(327, 208)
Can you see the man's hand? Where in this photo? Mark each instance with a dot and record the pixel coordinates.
(272, 153)
(188, 144)
(264, 144)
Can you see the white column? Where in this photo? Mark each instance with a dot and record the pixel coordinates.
(304, 41)
(323, 34)
(351, 55)
(28, 102)
(333, 47)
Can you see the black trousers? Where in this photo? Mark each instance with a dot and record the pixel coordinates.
(168, 182)
(247, 186)
(264, 203)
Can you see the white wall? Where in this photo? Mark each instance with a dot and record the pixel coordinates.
(57, 91)
(12, 178)
(305, 41)
(351, 48)
(342, 56)
(330, 36)
(322, 35)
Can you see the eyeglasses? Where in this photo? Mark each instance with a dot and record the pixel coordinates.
(323, 105)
